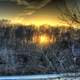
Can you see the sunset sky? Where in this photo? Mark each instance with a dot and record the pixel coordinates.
(36, 12)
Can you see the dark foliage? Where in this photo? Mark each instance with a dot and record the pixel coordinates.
(20, 56)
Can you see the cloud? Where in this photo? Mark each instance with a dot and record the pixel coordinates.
(31, 6)
(32, 3)
(21, 2)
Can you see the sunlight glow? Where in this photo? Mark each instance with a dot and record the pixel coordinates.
(37, 22)
(43, 40)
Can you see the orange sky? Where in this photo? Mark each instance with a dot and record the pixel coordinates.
(45, 15)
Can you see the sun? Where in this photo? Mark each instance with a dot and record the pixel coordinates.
(43, 40)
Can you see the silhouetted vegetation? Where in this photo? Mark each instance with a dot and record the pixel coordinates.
(20, 56)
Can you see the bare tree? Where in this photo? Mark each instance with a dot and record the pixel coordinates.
(70, 13)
